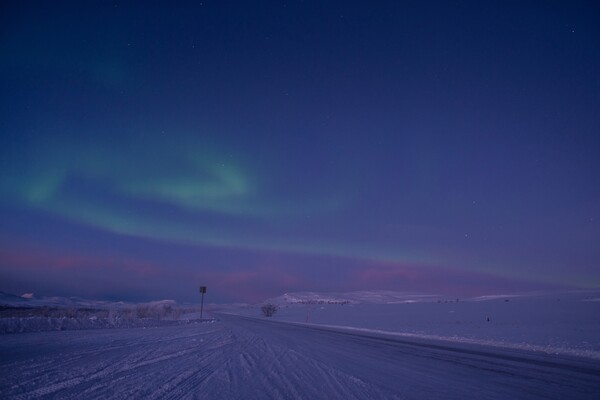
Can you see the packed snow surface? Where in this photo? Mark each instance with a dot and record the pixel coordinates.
(247, 358)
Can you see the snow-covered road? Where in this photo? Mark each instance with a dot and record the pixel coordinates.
(245, 358)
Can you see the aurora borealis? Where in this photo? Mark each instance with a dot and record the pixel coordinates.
(259, 148)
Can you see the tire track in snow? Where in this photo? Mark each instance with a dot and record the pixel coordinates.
(106, 363)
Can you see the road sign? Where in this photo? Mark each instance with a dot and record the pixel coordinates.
(202, 289)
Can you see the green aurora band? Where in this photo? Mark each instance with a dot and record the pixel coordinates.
(195, 181)
(185, 177)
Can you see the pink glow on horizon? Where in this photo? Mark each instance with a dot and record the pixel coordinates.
(254, 277)
(43, 259)
(252, 285)
(435, 280)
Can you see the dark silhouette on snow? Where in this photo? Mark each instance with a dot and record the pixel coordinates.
(269, 309)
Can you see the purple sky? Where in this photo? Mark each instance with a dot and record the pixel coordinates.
(261, 148)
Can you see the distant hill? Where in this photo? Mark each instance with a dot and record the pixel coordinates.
(11, 299)
(393, 297)
(358, 297)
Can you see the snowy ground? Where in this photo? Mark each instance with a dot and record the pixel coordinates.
(560, 322)
(361, 345)
(244, 358)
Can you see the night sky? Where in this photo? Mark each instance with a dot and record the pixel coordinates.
(263, 147)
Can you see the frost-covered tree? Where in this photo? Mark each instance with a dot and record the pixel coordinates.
(269, 309)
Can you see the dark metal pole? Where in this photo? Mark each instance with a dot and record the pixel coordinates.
(202, 291)
(201, 306)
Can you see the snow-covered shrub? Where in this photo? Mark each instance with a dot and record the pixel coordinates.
(268, 310)
(157, 310)
(142, 311)
(29, 319)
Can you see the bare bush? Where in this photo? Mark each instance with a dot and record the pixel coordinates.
(268, 310)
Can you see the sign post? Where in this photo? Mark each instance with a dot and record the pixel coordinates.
(202, 291)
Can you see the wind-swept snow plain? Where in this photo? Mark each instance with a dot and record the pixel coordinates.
(243, 357)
